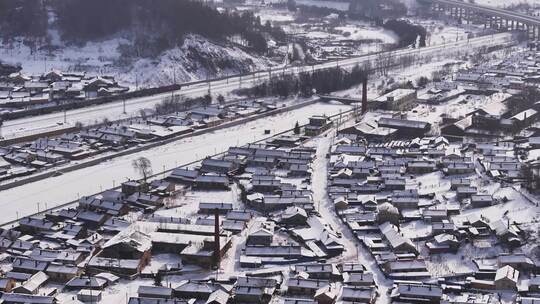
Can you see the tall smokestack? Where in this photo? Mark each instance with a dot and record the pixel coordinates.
(364, 95)
(217, 255)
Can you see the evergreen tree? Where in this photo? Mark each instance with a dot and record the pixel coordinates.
(296, 128)
(158, 278)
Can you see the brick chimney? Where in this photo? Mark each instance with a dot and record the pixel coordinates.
(217, 255)
(364, 95)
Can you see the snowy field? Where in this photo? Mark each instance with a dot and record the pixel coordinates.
(360, 31)
(24, 200)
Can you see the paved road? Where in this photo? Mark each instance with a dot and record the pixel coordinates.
(115, 110)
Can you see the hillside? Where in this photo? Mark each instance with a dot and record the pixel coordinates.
(141, 42)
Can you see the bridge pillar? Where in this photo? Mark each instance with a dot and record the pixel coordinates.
(513, 25)
(507, 24)
(533, 32)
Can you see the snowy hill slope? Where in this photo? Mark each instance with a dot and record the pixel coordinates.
(197, 58)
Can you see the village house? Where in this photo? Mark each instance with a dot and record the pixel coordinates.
(317, 125)
(364, 279)
(418, 293)
(88, 282)
(137, 300)
(358, 294)
(219, 166)
(396, 240)
(481, 200)
(212, 182)
(156, 292)
(398, 100)
(62, 273)
(183, 176)
(195, 290)
(89, 295)
(319, 271)
(305, 287)
(18, 298)
(254, 290)
(506, 278)
(405, 128)
(32, 285)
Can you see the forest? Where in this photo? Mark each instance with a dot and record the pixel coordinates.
(154, 25)
(408, 33)
(307, 83)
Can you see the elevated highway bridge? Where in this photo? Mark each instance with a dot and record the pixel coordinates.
(495, 18)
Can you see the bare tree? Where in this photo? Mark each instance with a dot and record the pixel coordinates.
(143, 166)
(142, 113)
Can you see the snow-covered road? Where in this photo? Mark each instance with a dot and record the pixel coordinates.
(115, 110)
(354, 252)
(26, 199)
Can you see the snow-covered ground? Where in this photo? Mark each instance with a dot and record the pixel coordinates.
(27, 199)
(361, 31)
(506, 3)
(338, 5)
(354, 252)
(115, 110)
(440, 32)
(102, 58)
(181, 64)
(459, 107)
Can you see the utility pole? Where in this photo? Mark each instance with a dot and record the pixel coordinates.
(65, 116)
(124, 106)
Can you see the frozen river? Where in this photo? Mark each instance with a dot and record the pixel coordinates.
(26, 199)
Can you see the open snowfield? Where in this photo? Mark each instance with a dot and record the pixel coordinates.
(24, 200)
(441, 34)
(361, 31)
